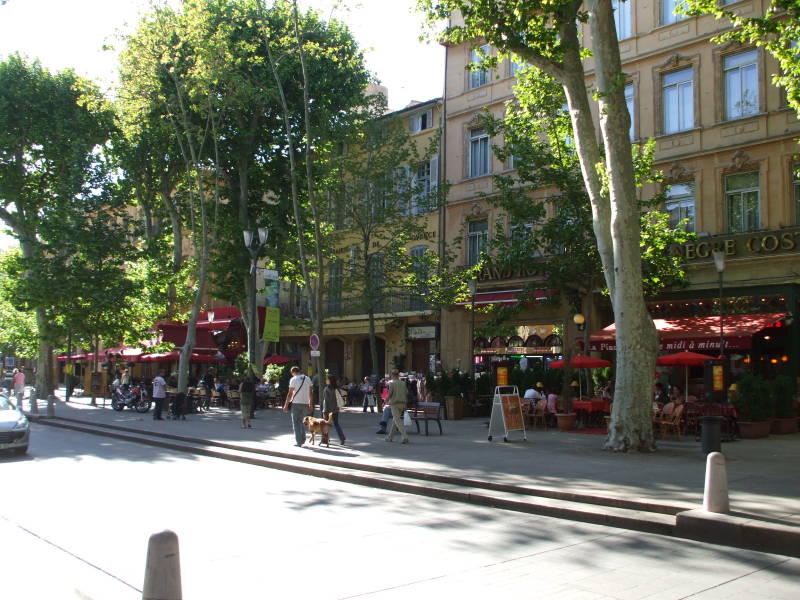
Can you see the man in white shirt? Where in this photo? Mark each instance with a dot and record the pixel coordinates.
(300, 399)
(532, 395)
(159, 395)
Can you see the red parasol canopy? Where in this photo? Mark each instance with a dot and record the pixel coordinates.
(683, 359)
(277, 359)
(581, 362)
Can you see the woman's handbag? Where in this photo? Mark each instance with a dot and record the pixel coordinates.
(340, 399)
(407, 419)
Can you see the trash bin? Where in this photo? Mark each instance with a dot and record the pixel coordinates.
(711, 434)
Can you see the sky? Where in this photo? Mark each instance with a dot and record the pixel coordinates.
(73, 33)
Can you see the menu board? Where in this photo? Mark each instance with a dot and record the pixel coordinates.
(512, 412)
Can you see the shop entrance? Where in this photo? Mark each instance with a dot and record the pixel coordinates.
(334, 356)
(366, 358)
(419, 355)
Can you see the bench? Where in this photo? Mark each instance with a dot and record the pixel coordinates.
(426, 411)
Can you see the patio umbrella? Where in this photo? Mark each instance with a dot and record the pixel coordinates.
(581, 362)
(277, 359)
(684, 359)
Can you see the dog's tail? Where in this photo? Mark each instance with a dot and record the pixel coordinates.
(329, 420)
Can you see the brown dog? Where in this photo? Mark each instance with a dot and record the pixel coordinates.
(322, 426)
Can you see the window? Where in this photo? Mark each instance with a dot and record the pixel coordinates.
(678, 94)
(421, 122)
(334, 286)
(476, 240)
(352, 259)
(521, 233)
(680, 205)
(796, 189)
(741, 84)
(668, 11)
(478, 153)
(622, 17)
(478, 77)
(629, 105)
(515, 66)
(742, 199)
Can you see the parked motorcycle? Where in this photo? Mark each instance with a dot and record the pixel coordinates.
(136, 398)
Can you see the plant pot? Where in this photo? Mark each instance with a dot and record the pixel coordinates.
(784, 426)
(751, 430)
(454, 407)
(566, 421)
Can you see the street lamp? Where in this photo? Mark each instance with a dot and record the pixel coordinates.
(719, 265)
(254, 242)
(473, 289)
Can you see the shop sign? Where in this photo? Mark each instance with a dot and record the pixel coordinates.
(421, 332)
(783, 241)
(492, 273)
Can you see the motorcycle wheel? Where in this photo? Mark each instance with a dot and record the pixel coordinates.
(116, 405)
(142, 406)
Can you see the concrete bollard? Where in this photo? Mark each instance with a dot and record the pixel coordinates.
(34, 403)
(162, 572)
(51, 406)
(715, 495)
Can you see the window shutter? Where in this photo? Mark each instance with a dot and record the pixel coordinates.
(434, 183)
(415, 123)
(428, 118)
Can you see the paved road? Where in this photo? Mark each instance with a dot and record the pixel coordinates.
(82, 508)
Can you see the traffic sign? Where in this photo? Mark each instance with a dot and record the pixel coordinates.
(315, 354)
(313, 341)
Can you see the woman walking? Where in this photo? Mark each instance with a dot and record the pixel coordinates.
(330, 405)
(247, 392)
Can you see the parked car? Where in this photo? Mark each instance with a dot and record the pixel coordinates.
(15, 430)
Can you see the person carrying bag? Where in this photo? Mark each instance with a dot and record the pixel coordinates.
(398, 400)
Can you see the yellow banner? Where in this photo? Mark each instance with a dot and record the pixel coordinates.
(272, 324)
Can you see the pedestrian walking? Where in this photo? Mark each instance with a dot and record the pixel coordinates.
(208, 386)
(159, 395)
(300, 400)
(397, 400)
(247, 392)
(330, 404)
(18, 381)
(369, 396)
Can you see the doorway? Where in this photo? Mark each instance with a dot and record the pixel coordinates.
(419, 355)
(366, 358)
(334, 356)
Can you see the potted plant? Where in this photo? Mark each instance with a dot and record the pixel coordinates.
(566, 416)
(752, 402)
(784, 411)
(452, 390)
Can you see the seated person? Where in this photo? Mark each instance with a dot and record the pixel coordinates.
(676, 395)
(532, 395)
(552, 402)
(660, 396)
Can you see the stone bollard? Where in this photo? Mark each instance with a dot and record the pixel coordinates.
(715, 495)
(162, 572)
(51, 406)
(34, 403)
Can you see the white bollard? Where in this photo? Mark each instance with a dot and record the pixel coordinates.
(715, 495)
(162, 572)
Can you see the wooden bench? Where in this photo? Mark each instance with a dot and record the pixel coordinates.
(426, 411)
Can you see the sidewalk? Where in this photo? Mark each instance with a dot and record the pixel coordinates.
(762, 474)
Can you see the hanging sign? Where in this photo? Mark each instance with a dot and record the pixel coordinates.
(272, 324)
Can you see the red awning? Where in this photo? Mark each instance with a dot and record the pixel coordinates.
(205, 330)
(505, 297)
(581, 362)
(697, 333)
(175, 356)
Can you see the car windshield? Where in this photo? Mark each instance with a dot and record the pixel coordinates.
(6, 404)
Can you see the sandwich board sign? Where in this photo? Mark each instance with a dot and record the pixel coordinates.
(507, 411)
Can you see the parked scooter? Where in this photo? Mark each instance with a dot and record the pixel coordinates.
(134, 397)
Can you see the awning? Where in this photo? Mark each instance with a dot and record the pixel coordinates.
(697, 333)
(227, 320)
(175, 356)
(505, 297)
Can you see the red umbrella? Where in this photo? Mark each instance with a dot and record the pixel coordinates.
(685, 359)
(277, 359)
(581, 362)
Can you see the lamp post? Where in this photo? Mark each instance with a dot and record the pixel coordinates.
(580, 323)
(719, 265)
(254, 242)
(473, 289)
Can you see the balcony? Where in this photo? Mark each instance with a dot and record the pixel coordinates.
(346, 307)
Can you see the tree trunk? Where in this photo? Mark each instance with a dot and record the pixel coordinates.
(631, 420)
(373, 344)
(44, 377)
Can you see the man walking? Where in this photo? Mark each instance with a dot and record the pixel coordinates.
(159, 394)
(300, 400)
(398, 399)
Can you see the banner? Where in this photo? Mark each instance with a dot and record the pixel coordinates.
(272, 324)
